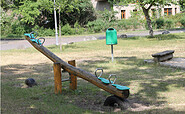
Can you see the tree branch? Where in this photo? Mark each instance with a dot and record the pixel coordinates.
(151, 5)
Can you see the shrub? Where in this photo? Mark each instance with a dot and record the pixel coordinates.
(125, 24)
(153, 25)
(78, 29)
(169, 23)
(43, 31)
(182, 21)
(96, 26)
(160, 23)
(48, 32)
(67, 30)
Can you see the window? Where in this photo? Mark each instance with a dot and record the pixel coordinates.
(123, 14)
(135, 10)
(167, 11)
(175, 10)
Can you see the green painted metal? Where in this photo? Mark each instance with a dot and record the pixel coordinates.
(105, 81)
(111, 36)
(120, 87)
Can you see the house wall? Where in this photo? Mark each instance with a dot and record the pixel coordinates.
(173, 9)
(101, 4)
(129, 8)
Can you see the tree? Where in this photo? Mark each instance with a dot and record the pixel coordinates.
(72, 11)
(145, 6)
(66, 6)
(182, 4)
(31, 11)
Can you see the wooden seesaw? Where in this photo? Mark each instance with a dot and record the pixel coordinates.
(119, 92)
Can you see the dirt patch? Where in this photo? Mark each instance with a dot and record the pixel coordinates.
(132, 104)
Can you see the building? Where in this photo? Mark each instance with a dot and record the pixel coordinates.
(124, 12)
(101, 4)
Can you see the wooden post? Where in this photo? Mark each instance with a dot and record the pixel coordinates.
(57, 77)
(73, 82)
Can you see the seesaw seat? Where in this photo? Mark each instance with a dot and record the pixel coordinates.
(33, 38)
(105, 81)
(108, 81)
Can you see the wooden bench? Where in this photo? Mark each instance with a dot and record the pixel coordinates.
(163, 56)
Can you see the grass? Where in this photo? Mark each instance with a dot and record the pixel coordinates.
(12, 36)
(154, 89)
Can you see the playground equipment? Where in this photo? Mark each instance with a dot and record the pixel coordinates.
(121, 92)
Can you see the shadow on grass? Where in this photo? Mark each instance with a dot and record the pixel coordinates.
(151, 79)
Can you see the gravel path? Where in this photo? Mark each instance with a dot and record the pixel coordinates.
(21, 44)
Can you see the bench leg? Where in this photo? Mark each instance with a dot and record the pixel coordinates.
(163, 58)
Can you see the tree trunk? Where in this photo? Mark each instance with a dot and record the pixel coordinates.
(59, 21)
(146, 12)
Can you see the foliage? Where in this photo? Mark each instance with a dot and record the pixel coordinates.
(182, 4)
(146, 6)
(107, 15)
(31, 10)
(95, 26)
(183, 21)
(80, 11)
(67, 30)
(78, 29)
(160, 23)
(43, 31)
(169, 23)
(124, 24)
(30, 14)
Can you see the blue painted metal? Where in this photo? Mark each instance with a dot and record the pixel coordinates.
(28, 34)
(33, 38)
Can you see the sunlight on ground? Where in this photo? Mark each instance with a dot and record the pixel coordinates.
(152, 87)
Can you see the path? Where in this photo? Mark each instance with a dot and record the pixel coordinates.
(21, 44)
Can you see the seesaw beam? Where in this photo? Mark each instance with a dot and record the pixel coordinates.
(79, 72)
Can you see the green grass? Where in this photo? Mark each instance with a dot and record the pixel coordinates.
(154, 89)
(12, 36)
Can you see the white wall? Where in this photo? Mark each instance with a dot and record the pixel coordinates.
(129, 8)
(101, 5)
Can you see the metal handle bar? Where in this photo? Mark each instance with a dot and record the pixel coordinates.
(114, 79)
(33, 33)
(38, 40)
(100, 73)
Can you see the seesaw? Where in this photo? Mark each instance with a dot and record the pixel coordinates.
(120, 92)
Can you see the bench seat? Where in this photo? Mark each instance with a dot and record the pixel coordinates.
(163, 56)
